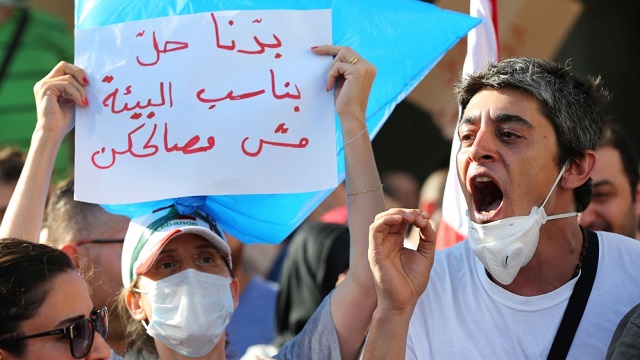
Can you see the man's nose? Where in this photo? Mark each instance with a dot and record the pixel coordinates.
(484, 146)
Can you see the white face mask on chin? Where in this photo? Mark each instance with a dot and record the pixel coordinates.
(191, 310)
(504, 246)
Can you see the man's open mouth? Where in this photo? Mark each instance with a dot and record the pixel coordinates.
(487, 196)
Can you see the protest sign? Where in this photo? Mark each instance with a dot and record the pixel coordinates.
(236, 97)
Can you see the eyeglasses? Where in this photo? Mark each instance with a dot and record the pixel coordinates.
(80, 333)
(99, 241)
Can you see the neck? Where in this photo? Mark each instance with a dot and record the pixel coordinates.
(554, 262)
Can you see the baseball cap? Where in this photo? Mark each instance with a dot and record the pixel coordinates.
(149, 233)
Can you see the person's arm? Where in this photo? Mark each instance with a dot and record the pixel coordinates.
(625, 343)
(354, 300)
(400, 276)
(56, 96)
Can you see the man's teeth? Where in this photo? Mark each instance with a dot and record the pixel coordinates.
(491, 212)
(481, 180)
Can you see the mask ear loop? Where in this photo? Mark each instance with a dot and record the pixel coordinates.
(552, 217)
(146, 326)
(564, 167)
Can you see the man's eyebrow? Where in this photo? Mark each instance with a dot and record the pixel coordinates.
(602, 183)
(166, 251)
(499, 118)
(469, 120)
(510, 118)
(208, 245)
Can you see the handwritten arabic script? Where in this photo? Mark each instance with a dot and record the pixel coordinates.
(230, 93)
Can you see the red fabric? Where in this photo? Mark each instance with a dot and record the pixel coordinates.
(447, 236)
(337, 215)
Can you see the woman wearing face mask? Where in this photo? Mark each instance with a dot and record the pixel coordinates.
(150, 283)
(45, 309)
(179, 286)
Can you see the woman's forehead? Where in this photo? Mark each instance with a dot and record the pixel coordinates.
(187, 242)
(68, 299)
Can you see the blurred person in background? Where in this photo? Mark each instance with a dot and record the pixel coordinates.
(615, 203)
(403, 187)
(431, 195)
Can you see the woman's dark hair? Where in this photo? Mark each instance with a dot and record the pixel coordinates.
(27, 270)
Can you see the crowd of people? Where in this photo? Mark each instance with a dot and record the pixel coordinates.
(180, 290)
(546, 271)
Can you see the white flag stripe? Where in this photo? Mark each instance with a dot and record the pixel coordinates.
(482, 46)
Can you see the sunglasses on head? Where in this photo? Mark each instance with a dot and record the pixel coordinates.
(80, 333)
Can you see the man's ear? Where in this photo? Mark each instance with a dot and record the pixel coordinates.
(134, 305)
(72, 252)
(579, 170)
(235, 292)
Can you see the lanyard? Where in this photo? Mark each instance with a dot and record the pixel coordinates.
(577, 302)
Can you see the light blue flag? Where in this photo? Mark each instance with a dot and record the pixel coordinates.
(404, 39)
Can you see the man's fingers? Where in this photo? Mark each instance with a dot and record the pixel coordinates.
(427, 242)
(392, 211)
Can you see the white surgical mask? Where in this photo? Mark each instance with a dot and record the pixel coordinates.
(191, 310)
(504, 246)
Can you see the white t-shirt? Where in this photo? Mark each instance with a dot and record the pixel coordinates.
(463, 315)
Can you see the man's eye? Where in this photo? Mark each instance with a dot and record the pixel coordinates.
(167, 264)
(600, 196)
(466, 137)
(509, 135)
(208, 260)
(208, 257)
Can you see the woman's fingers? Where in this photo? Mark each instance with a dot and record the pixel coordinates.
(66, 82)
(344, 61)
(65, 68)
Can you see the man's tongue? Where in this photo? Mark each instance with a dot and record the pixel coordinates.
(490, 206)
